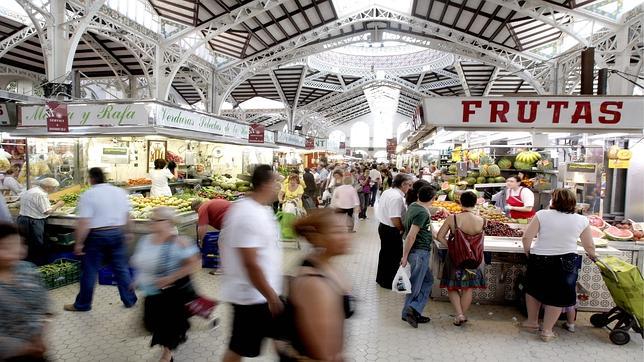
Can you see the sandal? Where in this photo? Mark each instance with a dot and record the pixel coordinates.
(547, 337)
(529, 328)
(459, 320)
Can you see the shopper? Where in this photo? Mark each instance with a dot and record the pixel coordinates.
(552, 260)
(319, 296)
(346, 200)
(412, 194)
(210, 213)
(519, 199)
(11, 184)
(310, 190)
(34, 210)
(364, 193)
(24, 306)
(376, 182)
(292, 193)
(252, 259)
(335, 180)
(160, 176)
(386, 179)
(390, 212)
(101, 231)
(416, 252)
(172, 167)
(460, 282)
(164, 262)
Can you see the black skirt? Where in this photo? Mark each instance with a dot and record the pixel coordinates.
(165, 316)
(552, 279)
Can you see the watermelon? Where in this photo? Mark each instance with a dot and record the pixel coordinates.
(505, 163)
(445, 186)
(491, 180)
(522, 165)
(451, 169)
(597, 232)
(480, 180)
(597, 221)
(617, 234)
(500, 179)
(474, 174)
(494, 171)
(470, 181)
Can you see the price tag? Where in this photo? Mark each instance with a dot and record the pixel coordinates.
(442, 198)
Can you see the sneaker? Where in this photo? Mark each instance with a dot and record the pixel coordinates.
(569, 327)
(410, 317)
(421, 319)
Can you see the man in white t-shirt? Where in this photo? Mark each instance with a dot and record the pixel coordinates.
(390, 212)
(376, 181)
(251, 258)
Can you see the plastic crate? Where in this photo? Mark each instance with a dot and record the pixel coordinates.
(106, 276)
(210, 242)
(60, 273)
(210, 261)
(62, 255)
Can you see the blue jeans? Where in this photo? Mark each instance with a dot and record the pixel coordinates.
(104, 245)
(421, 280)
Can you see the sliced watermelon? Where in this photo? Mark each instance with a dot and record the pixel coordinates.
(597, 232)
(597, 221)
(617, 234)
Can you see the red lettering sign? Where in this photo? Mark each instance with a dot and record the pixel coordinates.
(617, 116)
(57, 120)
(556, 113)
(467, 111)
(582, 111)
(499, 110)
(533, 111)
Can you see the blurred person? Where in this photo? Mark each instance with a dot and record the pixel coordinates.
(35, 208)
(394, 172)
(334, 181)
(210, 213)
(323, 175)
(416, 251)
(519, 200)
(386, 179)
(164, 262)
(24, 306)
(390, 211)
(552, 260)
(461, 282)
(364, 193)
(319, 295)
(160, 176)
(412, 194)
(376, 182)
(101, 234)
(5, 214)
(346, 200)
(10, 183)
(172, 167)
(251, 257)
(292, 192)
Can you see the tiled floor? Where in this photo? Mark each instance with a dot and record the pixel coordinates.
(112, 333)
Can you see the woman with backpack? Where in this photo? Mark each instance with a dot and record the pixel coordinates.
(463, 272)
(319, 298)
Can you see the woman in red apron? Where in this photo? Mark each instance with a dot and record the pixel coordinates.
(515, 205)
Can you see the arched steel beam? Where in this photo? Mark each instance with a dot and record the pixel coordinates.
(16, 39)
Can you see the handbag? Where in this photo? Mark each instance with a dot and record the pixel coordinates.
(465, 251)
(183, 289)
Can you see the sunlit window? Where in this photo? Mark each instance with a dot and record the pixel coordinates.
(382, 128)
(346, 7)
(261, 103)
(137, 10)
(360, 134)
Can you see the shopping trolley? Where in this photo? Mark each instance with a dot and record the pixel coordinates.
(626, 286)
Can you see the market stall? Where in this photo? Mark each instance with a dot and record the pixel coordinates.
(587, 144)
(124, 139)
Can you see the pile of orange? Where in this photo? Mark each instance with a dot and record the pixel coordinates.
(450, 206)
(139, 181)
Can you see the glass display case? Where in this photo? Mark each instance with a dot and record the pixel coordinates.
(51, 157)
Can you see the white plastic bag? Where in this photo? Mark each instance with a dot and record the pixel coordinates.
(401, 283)
(355, 221)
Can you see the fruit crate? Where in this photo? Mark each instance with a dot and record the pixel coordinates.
(210, 243)
(211, 261)
(60, 273)
(106, 276)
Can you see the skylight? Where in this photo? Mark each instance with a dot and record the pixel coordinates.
(12, 10)
(613, 9)
(347, 7)
(261, 103)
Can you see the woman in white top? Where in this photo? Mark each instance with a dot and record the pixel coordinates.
(10, 183)
(519, 200)
(552, 260)
(160, 176)
(345, 199)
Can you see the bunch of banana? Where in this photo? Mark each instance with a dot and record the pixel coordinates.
(529, 157)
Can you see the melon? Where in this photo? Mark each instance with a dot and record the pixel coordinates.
(451, 169)
(494, 171)
(491, 180)
(480, 180)
(597, 221)
(500, 179)
(522, 165)
(617, 234)
(624, 154)
(474, 174)
(470, 181)
(484, 170)
(505, 163)
(597, 232)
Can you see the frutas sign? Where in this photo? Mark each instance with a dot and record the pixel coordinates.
(605, 113)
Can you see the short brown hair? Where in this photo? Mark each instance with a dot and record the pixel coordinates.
(295, 178)
(564, 200)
